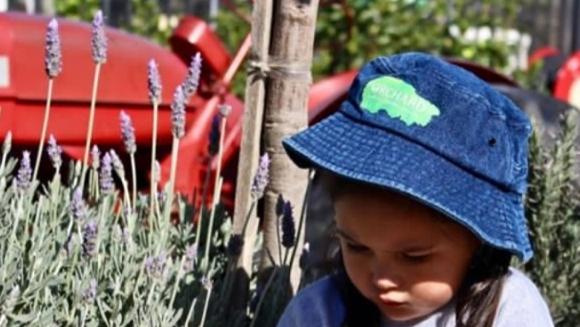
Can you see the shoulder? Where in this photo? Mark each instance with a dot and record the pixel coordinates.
(521, 303)
(318, 304)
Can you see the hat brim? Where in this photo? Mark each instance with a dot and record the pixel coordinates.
(368, 154)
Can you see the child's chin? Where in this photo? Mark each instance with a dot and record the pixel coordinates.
(402, 314)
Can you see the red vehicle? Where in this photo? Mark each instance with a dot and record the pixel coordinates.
(123, 86)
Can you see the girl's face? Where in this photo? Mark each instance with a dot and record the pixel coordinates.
(403, 256)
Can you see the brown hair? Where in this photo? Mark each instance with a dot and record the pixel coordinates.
(477, 299)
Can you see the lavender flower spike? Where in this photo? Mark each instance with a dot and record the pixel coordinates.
(288, 228)
(78, 208)
(117, 164)
(128, 132)
(90, 230)
(95, 157)
(106, 176)
(214, 136)
(262, 177)
(99, 39)
(178, 112)
(54, 152)
(23, 179)
(154, 81)
(194, 72)
(155, 266)
(89, 294)
(52, 52)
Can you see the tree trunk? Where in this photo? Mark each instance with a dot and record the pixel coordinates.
(250, 149)
(286, 113)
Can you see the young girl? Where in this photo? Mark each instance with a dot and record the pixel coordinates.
(427, 166)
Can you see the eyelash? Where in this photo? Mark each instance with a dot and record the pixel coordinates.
(408, 257)
(415, 258)
(355, 248)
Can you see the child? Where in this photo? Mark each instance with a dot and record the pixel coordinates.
(427, 166)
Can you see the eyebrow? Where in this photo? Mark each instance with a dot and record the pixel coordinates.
(409, 248)
(342, 233)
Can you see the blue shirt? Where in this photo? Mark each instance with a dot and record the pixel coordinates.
(320, 305)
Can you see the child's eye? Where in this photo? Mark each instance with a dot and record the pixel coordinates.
(355, 247)
(416, 257)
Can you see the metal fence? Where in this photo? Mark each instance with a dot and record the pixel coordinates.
(552, 23)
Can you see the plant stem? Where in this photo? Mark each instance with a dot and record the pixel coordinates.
(153, 182)
(165, 220)
(190, 313)
(177, 277)
(266, 288)
(302, 214)
(134, 181)
(205, 306)
(91, 123)
(44, 128)
(217, 190)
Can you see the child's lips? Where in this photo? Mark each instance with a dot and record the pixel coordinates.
(391, 302)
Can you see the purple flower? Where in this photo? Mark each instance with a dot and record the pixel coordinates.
(106, 177)
(117, 164)
(95, 157)
(280, 205)
(214, 136)
(90, 230)
(155, 265)
(99, 39)
(262, 177)
(78, 207)
(54, 152)
(193, 73)
(89, 294)
(178, 112)
(52, 52)
(288, 229)
(24, 176)
(127, 132)
(154, 81)
(7, 142)
(225, 110)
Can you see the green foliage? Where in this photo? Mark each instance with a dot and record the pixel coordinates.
(350, 33)
(47, 274)
(553, 217)
(145, 20)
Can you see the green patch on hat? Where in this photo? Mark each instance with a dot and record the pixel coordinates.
(399, 100)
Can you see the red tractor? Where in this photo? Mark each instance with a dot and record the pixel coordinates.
(123, 86)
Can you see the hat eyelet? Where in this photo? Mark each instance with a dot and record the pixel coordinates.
(491, 142)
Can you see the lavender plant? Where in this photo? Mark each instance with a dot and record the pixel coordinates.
(53, 67)
(99, 52)
(128, 135)
(154, 87)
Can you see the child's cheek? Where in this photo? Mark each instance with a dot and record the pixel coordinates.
(431, 295)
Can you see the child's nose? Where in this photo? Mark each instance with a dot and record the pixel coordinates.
(385, 275)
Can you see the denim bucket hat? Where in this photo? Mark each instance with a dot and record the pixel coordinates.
(418, 125)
